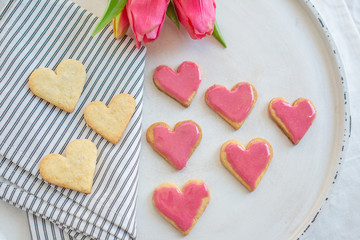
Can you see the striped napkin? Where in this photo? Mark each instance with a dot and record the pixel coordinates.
(42, 33)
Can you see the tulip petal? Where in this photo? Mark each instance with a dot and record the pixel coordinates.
(146, 18)
(197, 16)
(151, 35)
(121, 24)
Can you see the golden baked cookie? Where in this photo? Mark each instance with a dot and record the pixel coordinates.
(75, 170)
(110, 121)
(62, 87)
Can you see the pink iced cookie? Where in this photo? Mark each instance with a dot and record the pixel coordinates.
(233, 106)
(182, 209)
(248, 164)
(294, 119)
(181, 85)
(175, 146)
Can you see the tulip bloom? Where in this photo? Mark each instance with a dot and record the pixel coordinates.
(197, 16)
(121, 24)
(146, 18)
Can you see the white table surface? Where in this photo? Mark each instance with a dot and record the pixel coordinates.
(341, 217)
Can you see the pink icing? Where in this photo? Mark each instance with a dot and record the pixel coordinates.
(235, 105)
(297, 119)
(250, 163)
(180, 85)
(176, 145)
(181, 207)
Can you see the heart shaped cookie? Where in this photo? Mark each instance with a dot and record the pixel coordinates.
(76, 170)
(175, 146)
(182, 209)
(294, 120)
(247, 165)
(110, 122)
(62, 87)
(181, 85)
(233, 106)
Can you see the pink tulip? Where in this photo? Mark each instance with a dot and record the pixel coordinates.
(146, 18)
(197, 16)
(121, 24)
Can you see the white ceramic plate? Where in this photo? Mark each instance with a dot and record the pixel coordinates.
(283, 49)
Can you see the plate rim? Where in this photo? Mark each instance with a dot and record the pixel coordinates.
(303, 231)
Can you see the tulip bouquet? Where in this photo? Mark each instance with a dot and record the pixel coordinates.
(146, 18)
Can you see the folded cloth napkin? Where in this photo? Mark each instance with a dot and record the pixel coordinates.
(42, 33)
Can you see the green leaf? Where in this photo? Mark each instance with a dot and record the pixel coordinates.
(217, 34)
(113, 8)
(171, 13)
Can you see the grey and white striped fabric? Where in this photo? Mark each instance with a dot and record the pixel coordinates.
(42, 33)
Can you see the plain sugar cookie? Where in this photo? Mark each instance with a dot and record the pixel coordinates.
(62, 87)
(110, 121)
(75, 170)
